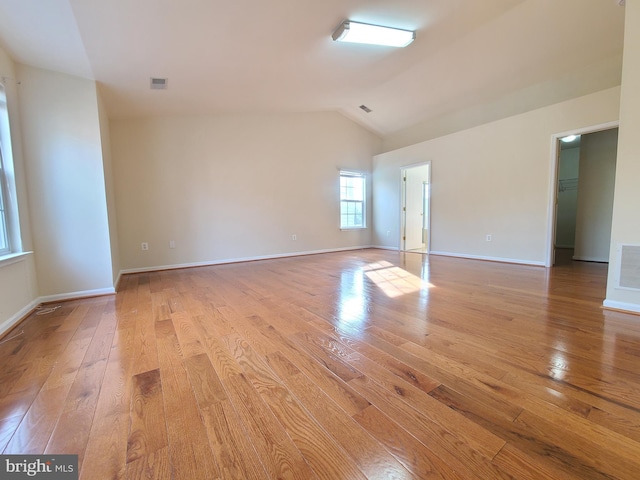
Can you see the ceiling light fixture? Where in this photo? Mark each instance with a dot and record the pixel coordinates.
(569, 138)
(355, 32)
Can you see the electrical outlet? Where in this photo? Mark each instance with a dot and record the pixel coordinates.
(488, 238)
(144, 246)
(294, 237)
(172, 244)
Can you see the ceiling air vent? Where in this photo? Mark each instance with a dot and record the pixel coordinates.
(365, 108)
(158, 83)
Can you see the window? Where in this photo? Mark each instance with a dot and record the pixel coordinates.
(4, 238)
(352, 200)
(9, 231)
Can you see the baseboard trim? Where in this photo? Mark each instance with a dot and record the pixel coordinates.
(590, 259)
(74, 295)
(383, 247)
(489, 259)
(621, 306)
(18, 317)
(31, 306)
(239, 260)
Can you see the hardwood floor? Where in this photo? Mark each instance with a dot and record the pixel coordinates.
(363, 364)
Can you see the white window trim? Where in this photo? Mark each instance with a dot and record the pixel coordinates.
(358, 173)
(5, 234)
(11, 258)
(11, 215)
(4, 214)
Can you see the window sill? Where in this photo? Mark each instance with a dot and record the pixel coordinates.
(13, 258)
(352, 228)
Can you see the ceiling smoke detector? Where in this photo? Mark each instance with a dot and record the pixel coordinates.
(158, 83)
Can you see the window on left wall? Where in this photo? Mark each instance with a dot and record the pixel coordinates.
(8, 236)
(4, 237)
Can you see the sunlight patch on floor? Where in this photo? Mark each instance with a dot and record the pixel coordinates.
(394, 281)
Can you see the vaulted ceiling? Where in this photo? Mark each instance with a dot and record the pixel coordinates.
(278, 55)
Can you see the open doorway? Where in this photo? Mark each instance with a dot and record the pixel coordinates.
(584, 187)
(416, 192)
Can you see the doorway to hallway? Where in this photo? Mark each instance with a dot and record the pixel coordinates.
(416, 200)
(585, 169)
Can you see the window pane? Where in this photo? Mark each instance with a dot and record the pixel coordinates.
(5, 162)
(4, 244)
(358, 189)
(352, 195)
(3, 233)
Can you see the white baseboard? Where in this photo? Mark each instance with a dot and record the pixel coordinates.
(489, 259)
(73, 295)
(590, 259)
(383, 247)
(26, 310)
(238, 260)
(625, 307)
(14, 319)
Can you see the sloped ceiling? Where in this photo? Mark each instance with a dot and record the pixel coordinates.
(278, 55)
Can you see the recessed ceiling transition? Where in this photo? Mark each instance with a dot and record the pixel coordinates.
(278, 56)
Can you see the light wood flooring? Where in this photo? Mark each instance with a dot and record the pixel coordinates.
(351, 365)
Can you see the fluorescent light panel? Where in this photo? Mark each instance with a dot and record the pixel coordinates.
(355, 32)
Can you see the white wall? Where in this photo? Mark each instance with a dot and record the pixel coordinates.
(568, 169)
(595, 195)
(65, 181)
(18, 285)
(492, 179)
(227, 187)
(626, 221)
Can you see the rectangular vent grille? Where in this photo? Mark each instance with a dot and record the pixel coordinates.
(630, 267)
(158, 83)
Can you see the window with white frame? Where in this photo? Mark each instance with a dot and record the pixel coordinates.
(352, 200)
(4, 237)
(7, 186)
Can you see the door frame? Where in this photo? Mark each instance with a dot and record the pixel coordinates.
(403, 199)
(553, 185)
